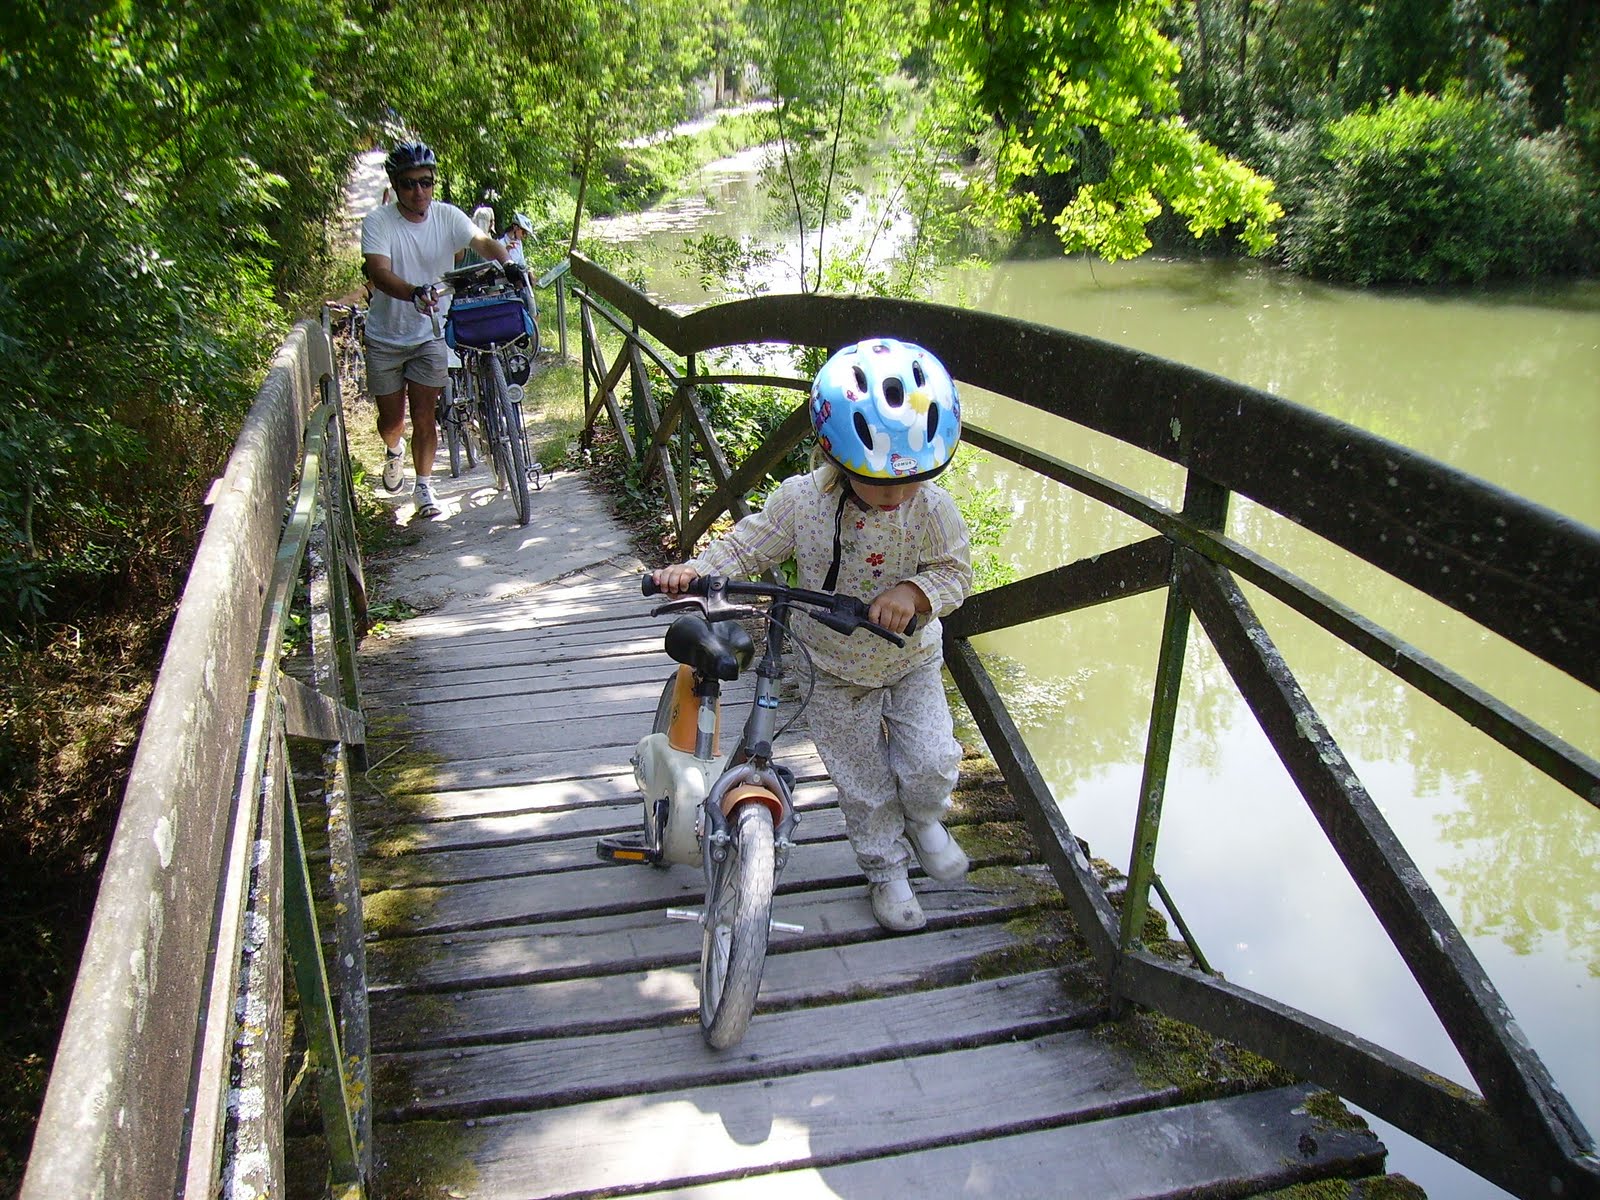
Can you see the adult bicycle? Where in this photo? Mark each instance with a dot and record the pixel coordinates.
(454, 412)
(732, 813)
(347, 328)
(491, 326)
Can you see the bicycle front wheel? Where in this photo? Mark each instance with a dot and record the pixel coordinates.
(449, 414)
(738, 918)
(516, 461)
(466, 390)
(491, 426)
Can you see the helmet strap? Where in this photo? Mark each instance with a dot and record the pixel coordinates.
(845, 493)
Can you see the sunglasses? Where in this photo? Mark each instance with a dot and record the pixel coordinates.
(412, 184)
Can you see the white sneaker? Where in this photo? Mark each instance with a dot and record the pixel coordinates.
(940, 854)
(394, 467)
(895, 907)
(427, 506)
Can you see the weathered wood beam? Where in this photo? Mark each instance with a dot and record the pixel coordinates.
(1126, 571)
(1513, 1080)
(1068, 862)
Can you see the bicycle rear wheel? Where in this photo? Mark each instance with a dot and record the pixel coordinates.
(516, 462)
(738, 918)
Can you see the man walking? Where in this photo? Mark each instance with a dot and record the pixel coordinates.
(407, 246)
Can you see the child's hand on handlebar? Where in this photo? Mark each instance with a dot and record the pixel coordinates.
(675, 580)
(896, 608)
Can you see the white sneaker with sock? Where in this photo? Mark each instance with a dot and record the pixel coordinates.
(394, 466)
(427, 506)
(940, 854)
(895, 907)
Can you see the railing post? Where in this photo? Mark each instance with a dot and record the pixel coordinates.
(1205, 506)
(333, 645)
(561, 314)
(586, 336)
(316, 1003)
(636, 384)
(685, 455)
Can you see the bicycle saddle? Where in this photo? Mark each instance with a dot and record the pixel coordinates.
(721, 650)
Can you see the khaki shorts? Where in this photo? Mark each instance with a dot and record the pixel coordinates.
(388, 367)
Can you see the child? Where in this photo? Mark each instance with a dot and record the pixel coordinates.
(868, 522)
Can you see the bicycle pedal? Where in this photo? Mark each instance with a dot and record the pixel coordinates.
(624, 848)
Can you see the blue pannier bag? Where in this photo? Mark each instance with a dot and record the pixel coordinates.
(480, 321)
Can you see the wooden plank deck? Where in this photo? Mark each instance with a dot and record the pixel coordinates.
(534, 1013)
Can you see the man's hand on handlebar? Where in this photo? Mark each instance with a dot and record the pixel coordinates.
(516, 273)
(424, 298)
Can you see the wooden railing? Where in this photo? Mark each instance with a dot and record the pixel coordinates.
(169, 1078)
(1525, 573)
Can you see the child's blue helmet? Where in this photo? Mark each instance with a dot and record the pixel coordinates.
(886, 411)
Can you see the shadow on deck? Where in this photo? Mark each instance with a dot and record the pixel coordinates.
(533, 1012)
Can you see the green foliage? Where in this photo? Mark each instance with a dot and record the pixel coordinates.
(826, 67)
(987, 515)
(1426, 189)
(1088, 91)
(167, 150)
(1268, 80)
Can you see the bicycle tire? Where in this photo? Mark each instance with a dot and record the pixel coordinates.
(448, 413)
(467, 407)
(738, 918)
(493, 443)
(511, 419)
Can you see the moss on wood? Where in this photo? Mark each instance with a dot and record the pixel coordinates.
(427, 1160)
(1377, 1187)
(1172, 1053)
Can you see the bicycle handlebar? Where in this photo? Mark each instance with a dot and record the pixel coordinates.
(460, 278)
(843, 614)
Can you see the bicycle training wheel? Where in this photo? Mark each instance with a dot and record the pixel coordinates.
(516, 461)
(738, 917)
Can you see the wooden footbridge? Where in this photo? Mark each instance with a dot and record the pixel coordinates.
(475, 1005)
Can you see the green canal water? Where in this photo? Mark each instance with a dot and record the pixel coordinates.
(1501, 383)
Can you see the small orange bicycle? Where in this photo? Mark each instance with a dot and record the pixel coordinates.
(731, 813)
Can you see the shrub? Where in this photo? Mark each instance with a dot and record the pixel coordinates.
(1426, 189)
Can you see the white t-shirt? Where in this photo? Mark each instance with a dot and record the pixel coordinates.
(420, 252)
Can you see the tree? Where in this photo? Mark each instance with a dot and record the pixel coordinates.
(164, 143)
(1088, 90)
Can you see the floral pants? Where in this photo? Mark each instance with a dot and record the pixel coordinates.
(893, 757)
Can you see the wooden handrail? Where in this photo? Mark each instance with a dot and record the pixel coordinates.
(1522, 571)
(157, 1088)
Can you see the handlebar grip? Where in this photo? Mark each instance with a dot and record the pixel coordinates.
(700, 587)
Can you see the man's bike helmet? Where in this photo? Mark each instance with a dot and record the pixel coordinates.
(886, 411)
(407, 155)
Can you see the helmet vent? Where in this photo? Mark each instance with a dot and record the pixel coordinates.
(894, 392)
(919, 375)
(863, 431)
(861, 380)
(933, 420)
